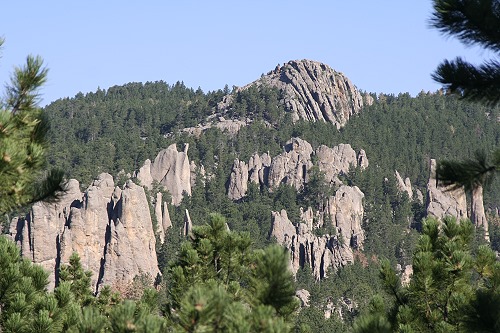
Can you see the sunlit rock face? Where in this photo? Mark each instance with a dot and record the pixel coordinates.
(110, 228)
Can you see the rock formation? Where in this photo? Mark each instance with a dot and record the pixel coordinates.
(39, 234)
(258, 168)
(344, 213)
(171, 169)
(362, 159)
(314, 92)
(441, 201)
(303, 295)
(238, 182)
(292, 166)
(159, 217)
(337, 160)
(345, 209)
(188, 225)
(131, 249)
(311, 91)
(110, 229)
(404, 185)
(228, 126)
(478, 216)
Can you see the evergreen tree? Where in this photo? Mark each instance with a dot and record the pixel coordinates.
(473, 23)
(451, 290)
(218, 284)
(22, 140)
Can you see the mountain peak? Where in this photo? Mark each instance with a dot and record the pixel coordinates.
(313, 91)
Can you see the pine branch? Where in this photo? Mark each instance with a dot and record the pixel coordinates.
(469, 173)
(480, 84)
(49, 188)
(22, 94)
(471, 21)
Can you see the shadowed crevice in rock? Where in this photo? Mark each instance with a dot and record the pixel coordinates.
(57, 266)
(111, 215)
(110, 229)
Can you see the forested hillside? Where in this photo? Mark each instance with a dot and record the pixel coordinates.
(119, 128)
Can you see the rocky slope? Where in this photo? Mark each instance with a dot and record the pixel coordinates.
(109, 227)
(342, 212)
(315, 92)
(292, 166)
(311, 90)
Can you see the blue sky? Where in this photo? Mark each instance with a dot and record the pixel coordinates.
(382, 46)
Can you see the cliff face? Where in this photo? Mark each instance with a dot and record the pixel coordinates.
(171, 169)
(315, 92)
(343, 213)
(292, 166)
(441, 201)
(110, 228)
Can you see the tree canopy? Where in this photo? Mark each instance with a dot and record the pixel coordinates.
(23, 178)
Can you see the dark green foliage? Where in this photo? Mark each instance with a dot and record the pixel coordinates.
(471, 173)
(472, 22)
(22, 140)
(78, 279)
(447, 287)
(219, 284)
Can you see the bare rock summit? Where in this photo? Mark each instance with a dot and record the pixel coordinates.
(315, 92)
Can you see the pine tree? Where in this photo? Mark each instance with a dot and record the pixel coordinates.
(451, 289)
(22, 140)
(473, 23)
(219, 284)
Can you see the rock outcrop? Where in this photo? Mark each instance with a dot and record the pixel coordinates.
(238, 182)
(303, 295)
(314, 92)
(311, 91)
(338, 160)
(343, 214)
(292, 166)
(39, 234)
(131, 250)
(258, 168)
(404, 185)
(110, 229)
(171, 169)
(441, 201)
(228, 126)
(478, 216)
